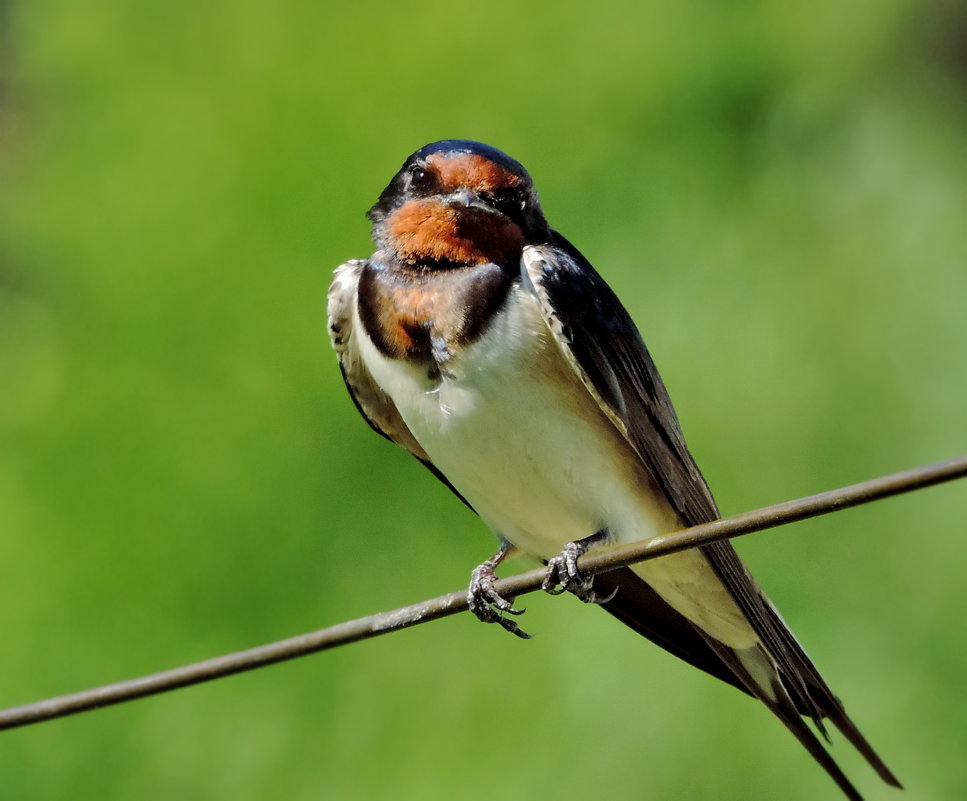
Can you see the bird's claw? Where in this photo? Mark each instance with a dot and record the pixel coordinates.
(563, 574)
(487, 604)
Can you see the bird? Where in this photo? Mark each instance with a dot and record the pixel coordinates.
(483, 342)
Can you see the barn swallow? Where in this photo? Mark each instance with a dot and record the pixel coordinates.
(483, 342)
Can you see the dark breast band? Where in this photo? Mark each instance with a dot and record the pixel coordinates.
(421, 314)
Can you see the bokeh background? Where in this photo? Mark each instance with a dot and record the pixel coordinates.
(778, 192)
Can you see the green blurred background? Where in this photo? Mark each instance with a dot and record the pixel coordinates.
(777, 191)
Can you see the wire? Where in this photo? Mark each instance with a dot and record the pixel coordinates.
(444, 605)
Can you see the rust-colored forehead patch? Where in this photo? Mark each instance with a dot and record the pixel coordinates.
(471, 171)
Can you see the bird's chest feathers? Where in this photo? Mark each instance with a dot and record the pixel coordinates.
(426, 317)
(449, 353)
(510, 425)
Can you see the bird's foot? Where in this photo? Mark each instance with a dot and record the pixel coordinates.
(563, 574)
(486, 603)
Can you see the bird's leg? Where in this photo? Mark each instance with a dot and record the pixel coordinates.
(563, 574)
(485, 602)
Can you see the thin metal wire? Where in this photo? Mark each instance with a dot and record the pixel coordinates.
(444, 605)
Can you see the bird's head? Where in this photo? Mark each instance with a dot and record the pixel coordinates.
(456, 203)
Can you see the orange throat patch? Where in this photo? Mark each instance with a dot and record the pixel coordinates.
(431, 231)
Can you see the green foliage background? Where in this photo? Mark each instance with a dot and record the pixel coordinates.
(777, 192)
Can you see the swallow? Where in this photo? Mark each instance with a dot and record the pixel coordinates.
(480, 340)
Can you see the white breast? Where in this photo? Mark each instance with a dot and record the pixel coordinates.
(517, 434)
(511, 426)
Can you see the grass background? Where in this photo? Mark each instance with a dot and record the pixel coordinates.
(777, 192)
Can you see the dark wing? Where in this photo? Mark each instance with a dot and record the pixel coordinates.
(603, 346)
(639, 607)
(373, 404)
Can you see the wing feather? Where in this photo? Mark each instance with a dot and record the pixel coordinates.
(373, 404)
(603, 346)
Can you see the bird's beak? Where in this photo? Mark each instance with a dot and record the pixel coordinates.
(470, 199)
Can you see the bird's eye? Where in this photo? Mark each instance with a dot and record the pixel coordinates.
(420, 177)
